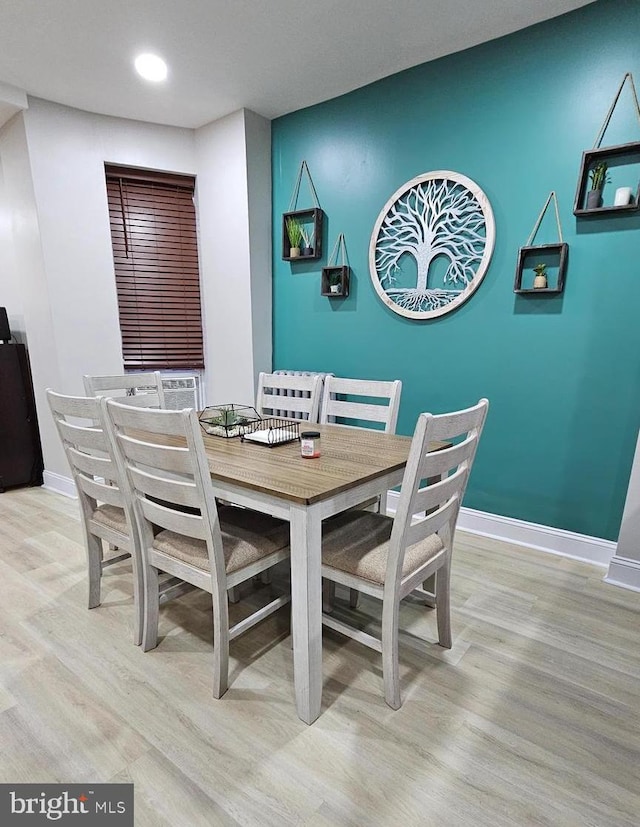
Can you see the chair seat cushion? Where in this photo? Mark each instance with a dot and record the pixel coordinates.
(112, 517)
(247, 536)
(357, 542)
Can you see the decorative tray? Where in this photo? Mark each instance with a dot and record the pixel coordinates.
(272, 431)
(228, 420)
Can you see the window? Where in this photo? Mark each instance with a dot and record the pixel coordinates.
(155, 254)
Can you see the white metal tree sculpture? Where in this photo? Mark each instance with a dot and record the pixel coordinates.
(436, 215)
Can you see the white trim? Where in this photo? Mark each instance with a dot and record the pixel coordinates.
(624, 572)
(59, 484)
(521, 533)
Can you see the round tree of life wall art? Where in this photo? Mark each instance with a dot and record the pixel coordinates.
(431, 245)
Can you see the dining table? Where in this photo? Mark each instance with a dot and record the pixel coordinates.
(354, 465)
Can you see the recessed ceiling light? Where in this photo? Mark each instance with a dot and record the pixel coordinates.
(151, 67)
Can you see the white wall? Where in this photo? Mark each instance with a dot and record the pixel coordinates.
(24, 289)
(68, 149)
(234, 217)
(624, 569)
(52, 188)
(258, 140)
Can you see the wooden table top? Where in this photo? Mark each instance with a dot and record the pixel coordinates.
(347, 456)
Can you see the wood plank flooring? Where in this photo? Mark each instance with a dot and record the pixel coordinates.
(532, 718)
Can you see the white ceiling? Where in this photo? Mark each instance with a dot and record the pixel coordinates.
(271, 56)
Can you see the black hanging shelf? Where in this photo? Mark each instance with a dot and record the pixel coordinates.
(335, 277)
(313, 219)
(310, 221)
(613, 156)
(555, 254)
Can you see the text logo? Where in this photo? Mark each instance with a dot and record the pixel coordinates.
(29, 805)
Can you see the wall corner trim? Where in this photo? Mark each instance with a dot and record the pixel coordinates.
(624, 572)
(59, 484)
(539, 537)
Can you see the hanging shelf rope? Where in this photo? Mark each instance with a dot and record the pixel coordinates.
(536, 227)
(628, 77)
(339, 246)
(293, 203)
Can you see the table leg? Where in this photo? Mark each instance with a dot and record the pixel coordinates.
(306, 609)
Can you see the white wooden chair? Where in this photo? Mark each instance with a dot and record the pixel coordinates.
(143, 390)
(307, 404)
(359, 412)
(211, 548)
(390, 558)
(355, 413)
(104, 511)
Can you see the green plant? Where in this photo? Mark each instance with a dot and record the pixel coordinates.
(598, 175)
(294, 231)
(540, 269)
(226, 417)
(334, 278)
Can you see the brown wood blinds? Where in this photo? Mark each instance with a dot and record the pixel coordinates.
(155, 254)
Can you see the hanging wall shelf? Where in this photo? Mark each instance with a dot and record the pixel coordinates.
(335, 277)
(547, 261)
(302, 229)
(596, 163)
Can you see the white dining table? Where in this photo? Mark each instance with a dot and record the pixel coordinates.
(354, 465)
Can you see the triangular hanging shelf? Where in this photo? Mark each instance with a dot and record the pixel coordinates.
(545, 255)
(595, 165)
(302, 228)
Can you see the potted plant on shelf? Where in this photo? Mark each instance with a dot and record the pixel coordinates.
(335, 283)
(307, 239)
(540, 280)
(598, 176)
(294, 234)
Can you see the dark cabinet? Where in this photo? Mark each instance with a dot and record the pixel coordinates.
(20, 451)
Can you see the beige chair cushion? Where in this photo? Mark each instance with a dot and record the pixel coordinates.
(247, 536)
(112, 517)
(357, 542)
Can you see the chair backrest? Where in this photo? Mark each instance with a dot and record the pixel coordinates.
(80, 423)
(434, 481)
(361, 411)
(143, 390)
(307, 404)
(164, 469)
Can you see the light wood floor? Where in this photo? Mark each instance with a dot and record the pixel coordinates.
(531, 719)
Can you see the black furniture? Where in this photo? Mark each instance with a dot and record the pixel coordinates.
(20, 451)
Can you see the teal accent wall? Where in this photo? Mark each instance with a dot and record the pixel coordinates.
(562, 373)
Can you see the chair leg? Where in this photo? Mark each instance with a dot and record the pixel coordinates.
(443, 609)
(390, 663)
(138, 599)
(354, 598)
(234, 594)
(94, 564)
(220, 644)
(328, 595)
(151, 609)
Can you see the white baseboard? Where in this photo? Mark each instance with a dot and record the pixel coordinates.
(539, 537)
(624, 572)
(61, 485)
